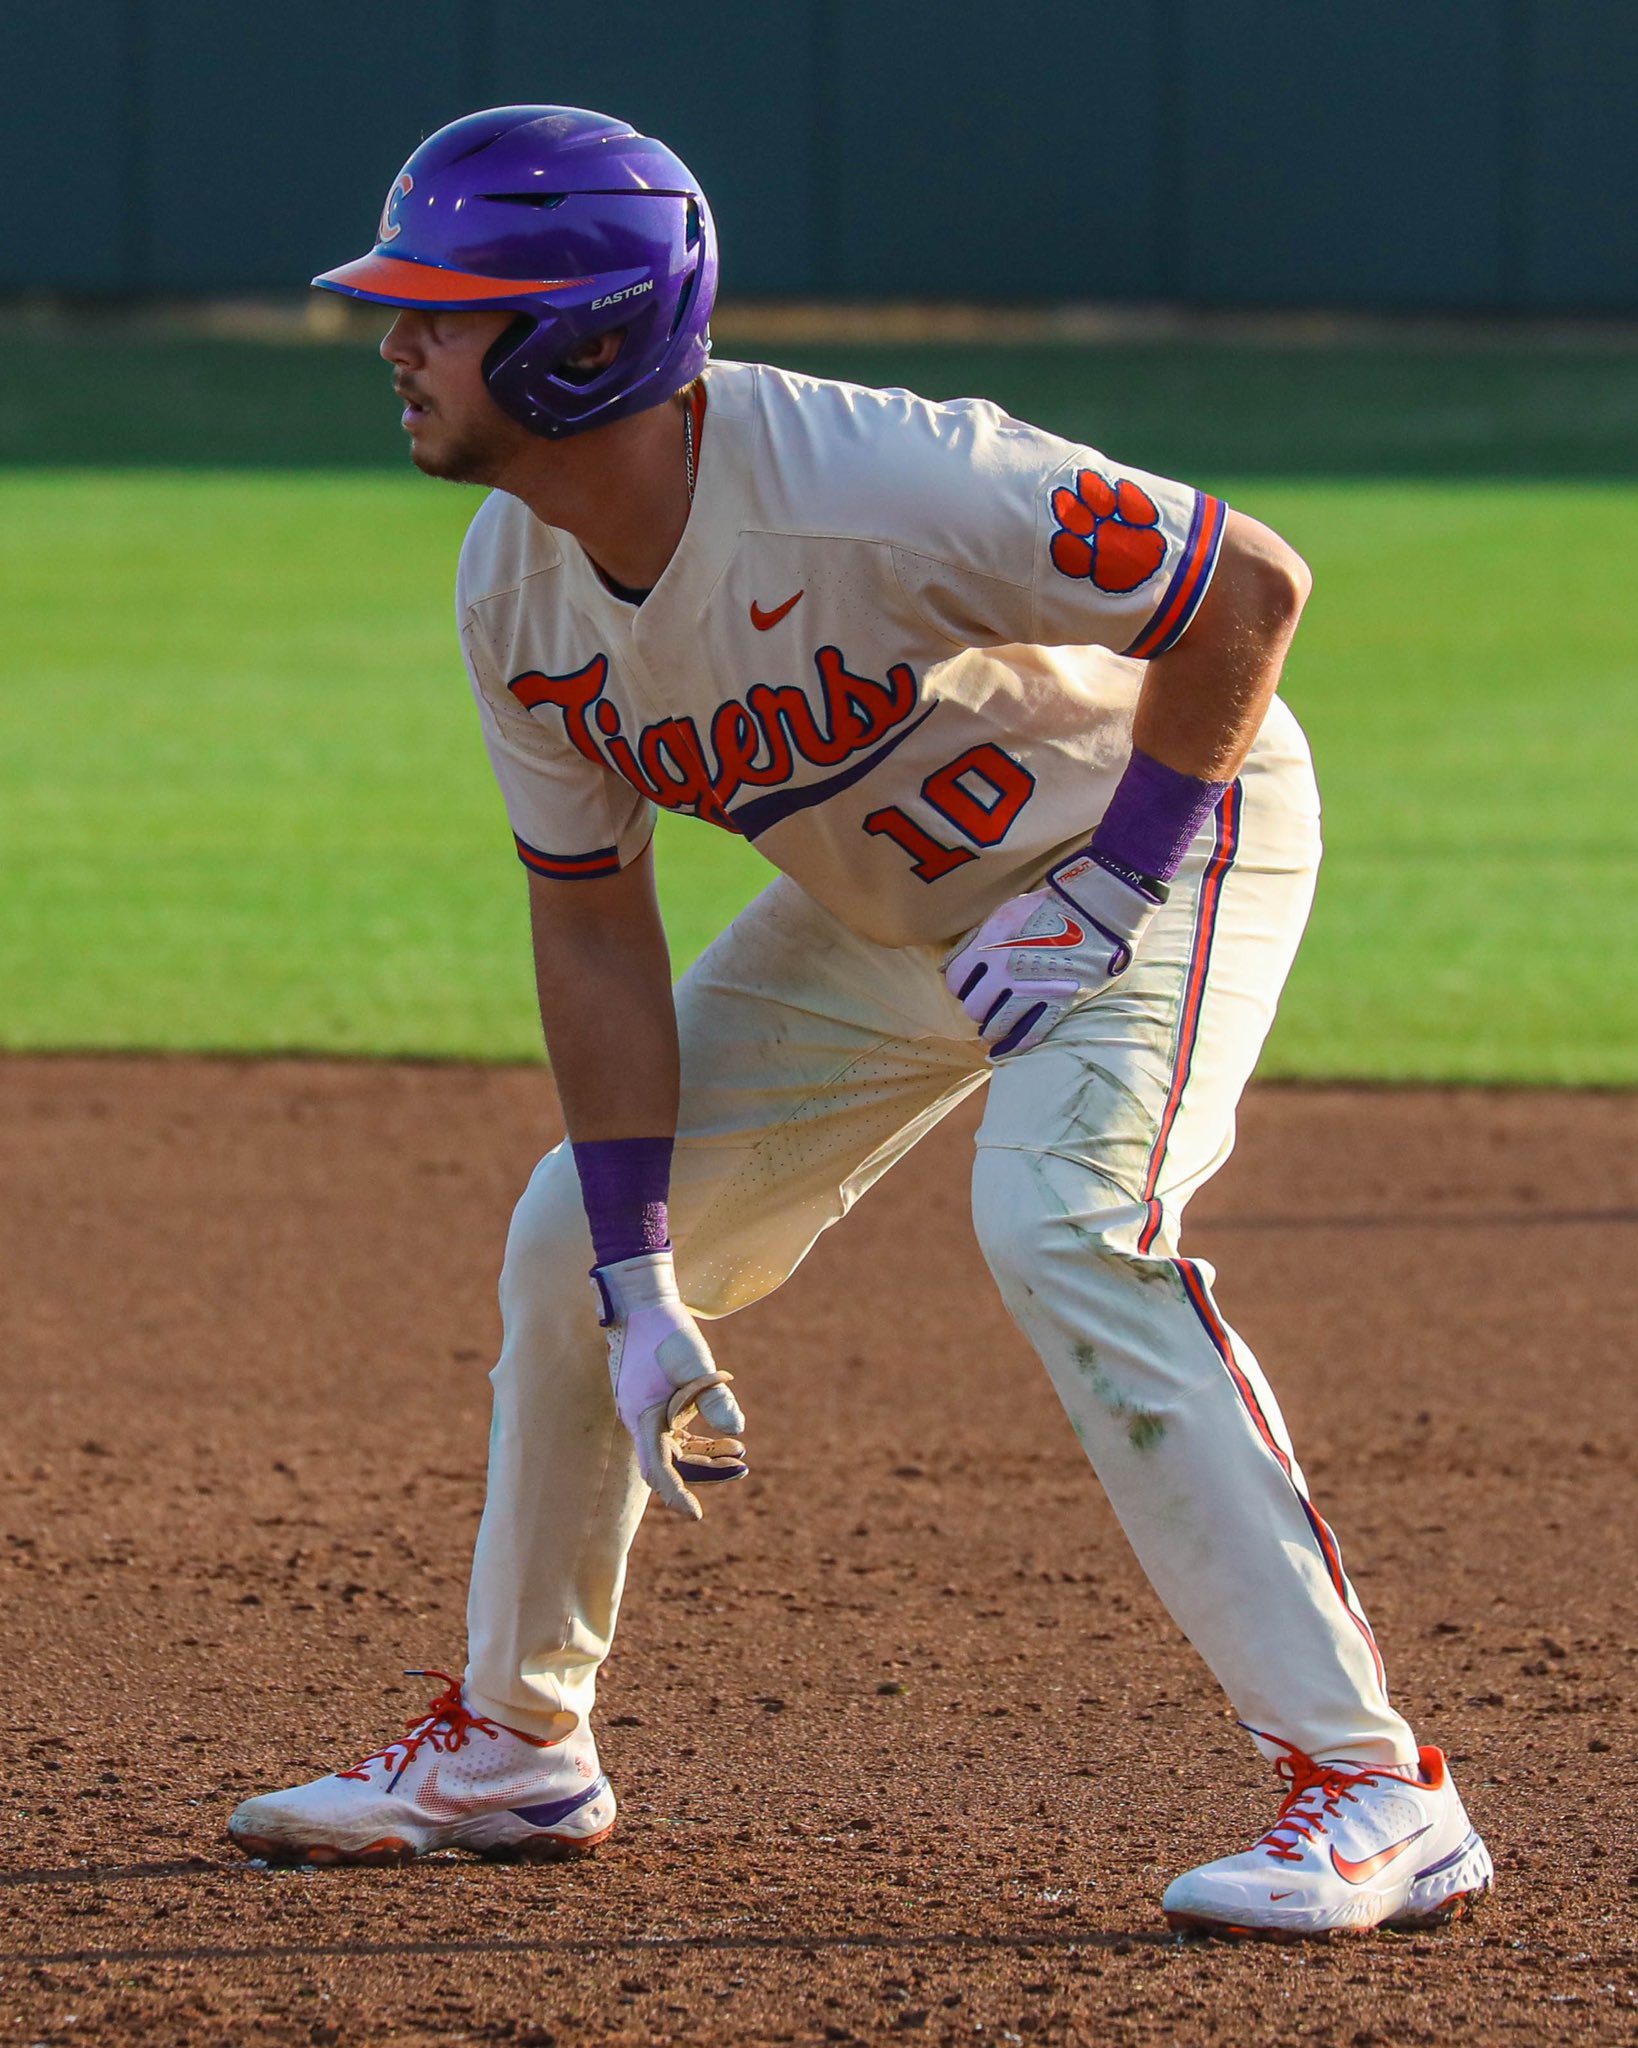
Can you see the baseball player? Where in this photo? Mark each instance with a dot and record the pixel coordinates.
(1001, 711)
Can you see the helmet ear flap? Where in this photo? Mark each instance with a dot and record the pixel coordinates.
(522, 328)
(582, 376)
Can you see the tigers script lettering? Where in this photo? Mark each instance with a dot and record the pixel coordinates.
(753, 743)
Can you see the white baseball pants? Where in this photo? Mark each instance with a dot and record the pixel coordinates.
(812, 1059)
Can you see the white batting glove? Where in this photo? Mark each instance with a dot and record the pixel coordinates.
(664, 1377)
(1039, 954)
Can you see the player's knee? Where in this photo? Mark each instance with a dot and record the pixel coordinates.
(1033, 1212)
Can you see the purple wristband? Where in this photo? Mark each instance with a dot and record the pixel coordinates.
(624, 1183)
(1153, 816)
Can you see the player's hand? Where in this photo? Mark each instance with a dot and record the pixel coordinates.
(1039, 954)
(665, 1379)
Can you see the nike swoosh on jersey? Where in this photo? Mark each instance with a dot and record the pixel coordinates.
(1071, 935)
(765, 621)
(1359, 1873)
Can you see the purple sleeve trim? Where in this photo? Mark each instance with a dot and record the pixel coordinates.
(1153, 816)
(624, 1183)
(1190, 580)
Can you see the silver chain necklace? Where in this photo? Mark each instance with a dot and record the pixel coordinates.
(688, 447)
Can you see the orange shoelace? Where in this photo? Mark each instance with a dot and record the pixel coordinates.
(1315, 1793)
(447, 1724)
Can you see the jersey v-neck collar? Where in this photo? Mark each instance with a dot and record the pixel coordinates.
(626, 593)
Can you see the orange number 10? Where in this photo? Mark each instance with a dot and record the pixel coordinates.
(947, 789)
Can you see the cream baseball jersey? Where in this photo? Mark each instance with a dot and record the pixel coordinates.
(897, 648)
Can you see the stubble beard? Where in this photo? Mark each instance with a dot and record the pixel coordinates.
(471, 458)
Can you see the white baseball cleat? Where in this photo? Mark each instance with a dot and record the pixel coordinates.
(454, 1781)
(1353, 1848)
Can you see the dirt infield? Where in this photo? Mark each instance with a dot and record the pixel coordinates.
(904, 1744)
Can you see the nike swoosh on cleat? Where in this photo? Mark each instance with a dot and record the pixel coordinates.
(1360, 1873)
(765, 621)
(442, 1805)
(1071, 935)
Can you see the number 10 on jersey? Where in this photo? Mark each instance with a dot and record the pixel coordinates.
(980, 793)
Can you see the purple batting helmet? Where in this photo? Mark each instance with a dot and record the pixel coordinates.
(577, 223)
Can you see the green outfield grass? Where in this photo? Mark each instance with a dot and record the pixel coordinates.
(1467, 676)
(243, 799)
(243, 802)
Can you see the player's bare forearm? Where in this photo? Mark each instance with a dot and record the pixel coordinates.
(603, 974)
(1203, 702)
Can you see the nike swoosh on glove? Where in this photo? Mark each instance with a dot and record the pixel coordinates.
(665, 1378)
(1039, 954)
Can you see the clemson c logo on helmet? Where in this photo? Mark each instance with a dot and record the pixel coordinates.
(402, 186)
(1107, 532)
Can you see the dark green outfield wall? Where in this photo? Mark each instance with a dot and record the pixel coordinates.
(1476, 154)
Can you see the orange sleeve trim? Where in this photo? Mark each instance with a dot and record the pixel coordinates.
(569, 867)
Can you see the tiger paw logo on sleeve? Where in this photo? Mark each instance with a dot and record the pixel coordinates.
(1107, 532)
